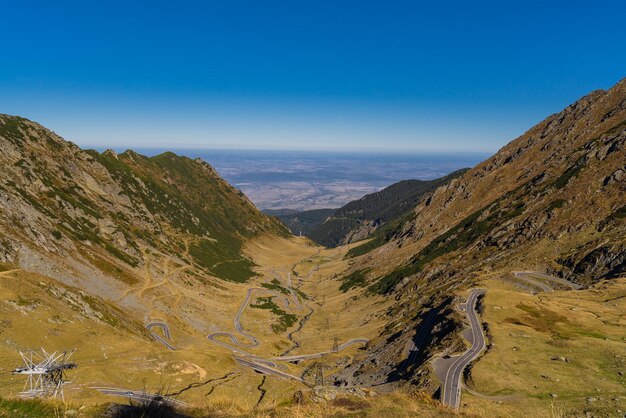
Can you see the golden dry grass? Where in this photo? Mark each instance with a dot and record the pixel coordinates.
(527, 330)
(561, 353)
(112, 354)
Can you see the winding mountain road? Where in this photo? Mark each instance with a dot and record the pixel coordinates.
(341, 347)
(260, 364)
(452, 382)
(239, 328)
(256, 365)
(166, 333)
(139, 396)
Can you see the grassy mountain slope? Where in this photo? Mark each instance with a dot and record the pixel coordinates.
(86, 211)
(552, 199)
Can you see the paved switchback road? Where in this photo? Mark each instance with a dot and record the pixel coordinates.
(140, 396)
(452, 382)
(239, 328)
(258, 363)
(341, 347)
(166, 333)
(265, 368)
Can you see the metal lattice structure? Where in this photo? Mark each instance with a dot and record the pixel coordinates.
(45, 373)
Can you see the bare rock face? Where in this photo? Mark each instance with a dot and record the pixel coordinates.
(8, 250)
(605, 260)
(365, 229)
(616, 177)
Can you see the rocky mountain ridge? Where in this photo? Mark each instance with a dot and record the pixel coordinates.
(89, 217)
(551, 200)
(561, 181)
(359, 219)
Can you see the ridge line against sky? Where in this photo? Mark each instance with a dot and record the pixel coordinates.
(403, 76)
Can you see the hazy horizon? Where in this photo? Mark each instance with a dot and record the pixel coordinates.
(301, 180)
(184, 151)
(407, 77)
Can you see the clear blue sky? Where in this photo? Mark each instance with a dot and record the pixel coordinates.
(391, 75)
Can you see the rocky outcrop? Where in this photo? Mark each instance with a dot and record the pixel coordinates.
(604, 261)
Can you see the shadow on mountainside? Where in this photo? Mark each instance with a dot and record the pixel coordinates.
(433, 327)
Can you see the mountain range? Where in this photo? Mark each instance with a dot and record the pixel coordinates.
(98, 249)
(360, 218)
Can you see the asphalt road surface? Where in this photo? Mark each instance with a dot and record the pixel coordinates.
(166, 333)
(525, 277)
(139, 396)
(265, 369)
(341, 347)
(239, 328)
(452, 382)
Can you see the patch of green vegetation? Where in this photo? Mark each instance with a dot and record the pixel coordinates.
(275, 285)
(555, 204)
(24, 302)
(302, 222)
(239, 271)
(10, 130)
(194, 202)
(372, 244)
(29, 408)
(266, 303)
(85, 230)
(21, 163)
(301, 294)
(114, 251)
(31, 199)
(285, 320)
(331, 232)
(354, 279)
(54, 144)
(177, 190)
(74, 196)
(383, 207)
(568, 174)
